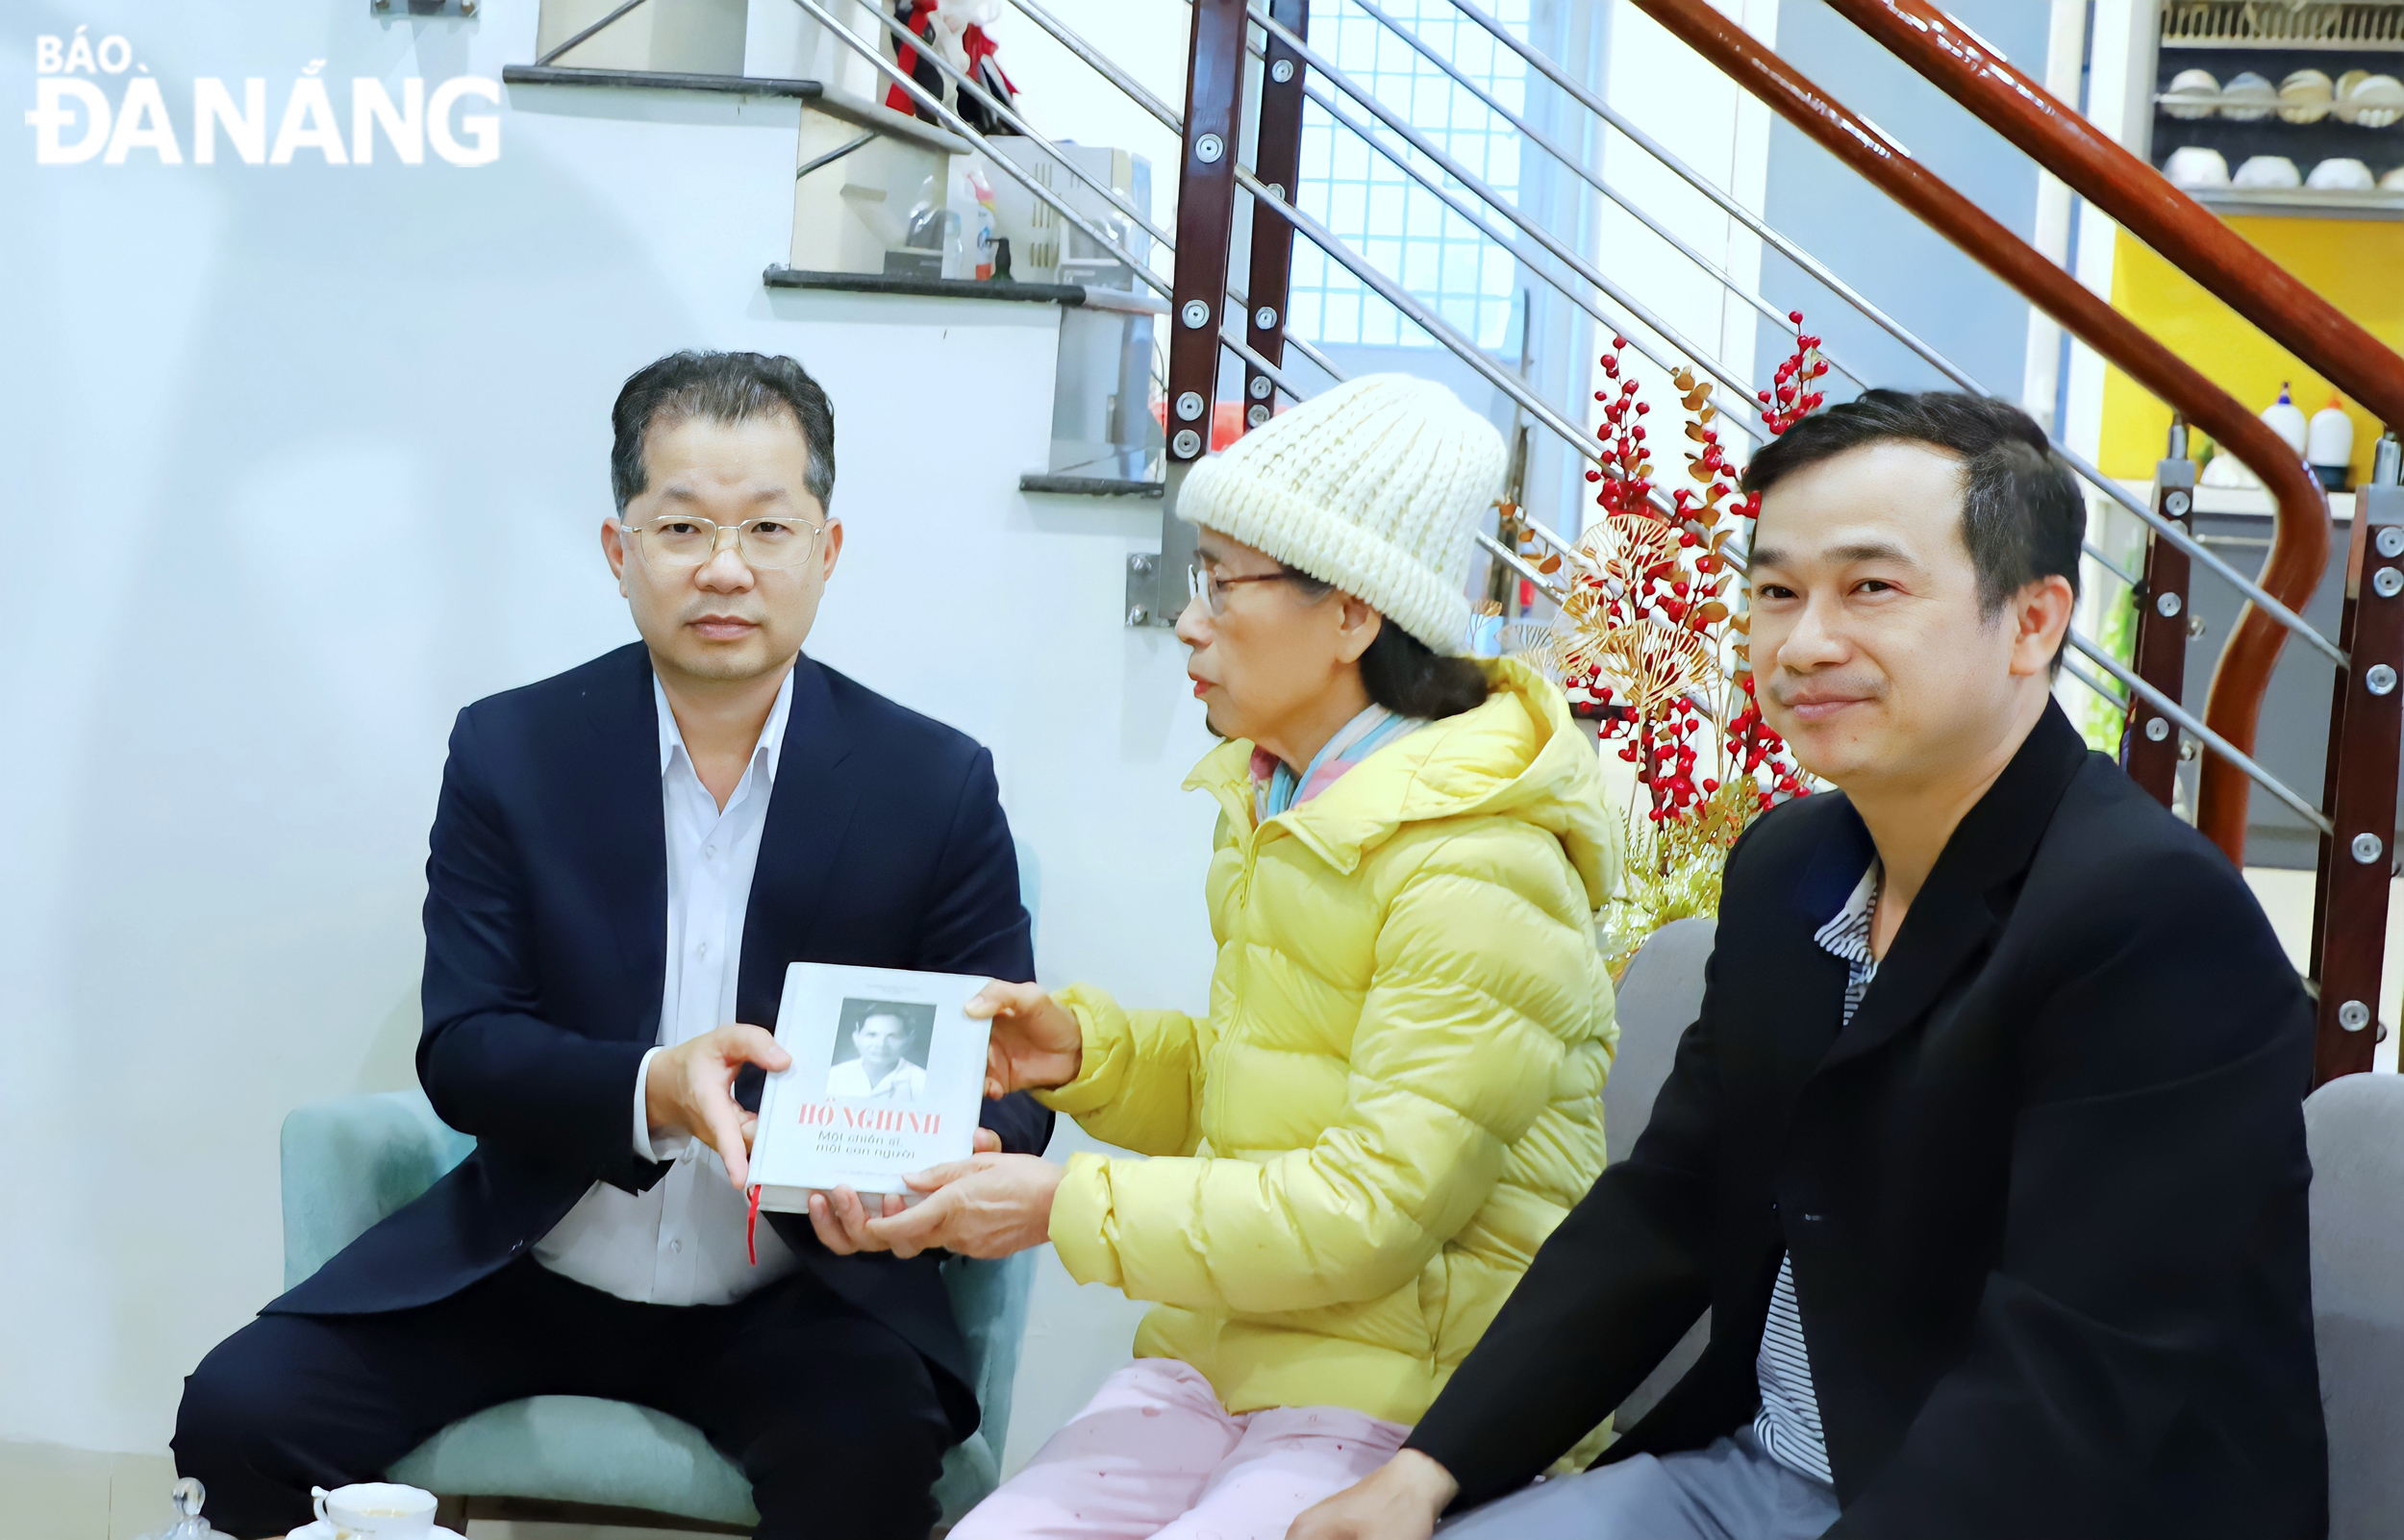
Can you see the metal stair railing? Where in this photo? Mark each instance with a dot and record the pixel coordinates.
(2111, 488)
(919, 94)
(1508, 385)
(2137, 684)
(1741, 391)
(1887, 166)
(1576, 167)
(2213, 740)
(1435, 327)
(1161, 111)
(2367, 728)
(1870, 311)
(1118, 200)
(1069, 39)
(1542, 413)
(1576, 438)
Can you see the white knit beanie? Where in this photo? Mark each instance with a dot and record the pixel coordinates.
(1375, 487)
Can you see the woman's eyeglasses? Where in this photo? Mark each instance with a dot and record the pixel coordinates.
(1209, 584)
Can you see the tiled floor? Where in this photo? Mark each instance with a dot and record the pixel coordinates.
(49, 1493)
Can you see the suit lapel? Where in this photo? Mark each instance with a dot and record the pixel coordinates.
(1812, 979)
(807, 813)
(1954, 916)
(627, 838)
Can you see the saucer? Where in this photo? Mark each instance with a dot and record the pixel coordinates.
(320, 1530)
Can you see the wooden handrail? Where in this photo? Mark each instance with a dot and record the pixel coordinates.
(2133, 193)
(2300, 538)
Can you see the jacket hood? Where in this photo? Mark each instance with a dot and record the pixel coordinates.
(1518, 755)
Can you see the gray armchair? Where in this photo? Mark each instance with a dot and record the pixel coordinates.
(350, 1161)
(2354, 1127)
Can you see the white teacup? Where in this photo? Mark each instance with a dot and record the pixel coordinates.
(375, 1510)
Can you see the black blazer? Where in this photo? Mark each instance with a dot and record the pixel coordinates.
(2046, 1194)
(546, 919)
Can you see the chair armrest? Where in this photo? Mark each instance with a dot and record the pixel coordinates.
(350, 1161)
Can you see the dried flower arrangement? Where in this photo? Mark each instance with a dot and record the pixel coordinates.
(1646, 634)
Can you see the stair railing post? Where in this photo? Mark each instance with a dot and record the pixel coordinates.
(2149, 742)
(2367, 727)
(1206, 218)
(1276, 159)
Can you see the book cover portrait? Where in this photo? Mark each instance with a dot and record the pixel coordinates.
(881, 1051)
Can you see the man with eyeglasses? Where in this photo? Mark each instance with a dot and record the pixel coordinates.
(624, 859)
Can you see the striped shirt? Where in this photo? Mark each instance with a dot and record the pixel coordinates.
(1789, 1422)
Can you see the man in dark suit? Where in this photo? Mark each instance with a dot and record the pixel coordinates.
(1985, 1153)
(624, 859)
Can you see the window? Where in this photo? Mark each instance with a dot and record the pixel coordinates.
(1403, 230)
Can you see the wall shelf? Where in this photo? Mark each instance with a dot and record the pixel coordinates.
(2331, 45)
(2300, 201)
(2321, 25)
(2327, 137)
(2219, 102)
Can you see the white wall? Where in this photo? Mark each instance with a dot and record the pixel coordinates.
(300, 460)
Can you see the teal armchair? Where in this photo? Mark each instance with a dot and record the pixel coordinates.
(350, 1161)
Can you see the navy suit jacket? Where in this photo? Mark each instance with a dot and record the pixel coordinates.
(547, 920)
(2046, 1192)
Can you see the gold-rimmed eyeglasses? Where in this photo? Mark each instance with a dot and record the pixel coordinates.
(1209, 584)
(687, 540)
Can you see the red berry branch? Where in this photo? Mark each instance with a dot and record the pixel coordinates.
(1645, 628)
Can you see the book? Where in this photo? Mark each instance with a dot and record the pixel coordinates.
(887, 1080)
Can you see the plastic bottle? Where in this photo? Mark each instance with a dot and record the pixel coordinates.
(988, 220)
(2287, 419)
(973, 199)
(2329, 443)
(956, 253)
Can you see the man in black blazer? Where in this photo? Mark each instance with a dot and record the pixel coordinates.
(1985, 1153)
(623, 860)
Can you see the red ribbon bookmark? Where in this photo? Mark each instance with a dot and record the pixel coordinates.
(751, 1227)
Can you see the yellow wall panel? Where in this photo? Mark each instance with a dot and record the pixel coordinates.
(2357, 265)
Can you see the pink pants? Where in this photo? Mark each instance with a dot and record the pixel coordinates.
(1155, 1454)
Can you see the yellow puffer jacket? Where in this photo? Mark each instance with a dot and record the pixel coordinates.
(1398, 1091)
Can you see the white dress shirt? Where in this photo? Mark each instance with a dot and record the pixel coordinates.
(904, 1081)
(681, 1242)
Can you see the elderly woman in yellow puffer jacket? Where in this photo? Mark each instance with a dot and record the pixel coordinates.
(1397, 1092)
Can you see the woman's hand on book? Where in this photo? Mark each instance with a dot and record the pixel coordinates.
(841, 1217)
(986, 1206)
(1037, 1043)
(690, 1089)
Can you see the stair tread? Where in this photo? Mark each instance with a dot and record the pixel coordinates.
(781, 276)
(660, 80)
(1089, 486)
